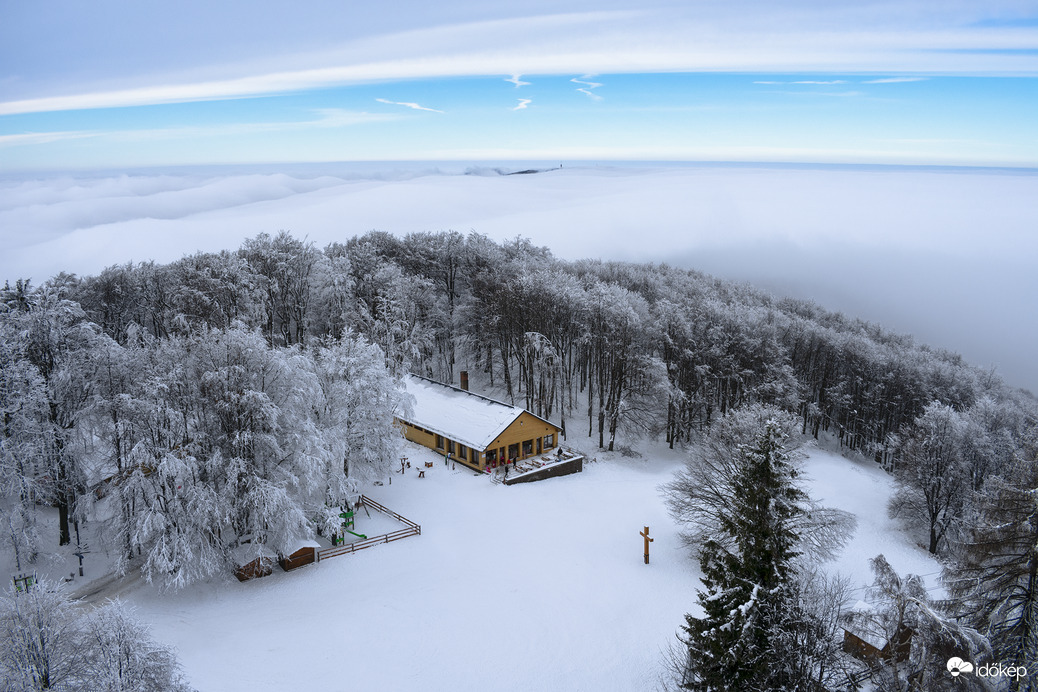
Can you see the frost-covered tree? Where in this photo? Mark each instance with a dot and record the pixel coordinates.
(617, 369)
(333, 303)
(360, 400)
(42, 646)
(157, 498)
(994, 577)
(921, 635)
(699, 497)
(121, 655)
(49, 642)
(934, 480)
(215, 447)
(742, 640)
(438, 257)
(54, 338)
(283, 266)
(255, 432)
(215, 290)
(24, 419)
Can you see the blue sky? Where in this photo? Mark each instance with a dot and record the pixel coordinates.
(117, 84)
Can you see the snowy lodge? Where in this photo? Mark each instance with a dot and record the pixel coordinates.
(475, 430)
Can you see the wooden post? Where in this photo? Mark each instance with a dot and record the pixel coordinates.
(645, 534)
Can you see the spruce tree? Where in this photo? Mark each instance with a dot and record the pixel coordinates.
(749, 600)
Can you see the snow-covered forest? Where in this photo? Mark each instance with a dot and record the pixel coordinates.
(226, 405)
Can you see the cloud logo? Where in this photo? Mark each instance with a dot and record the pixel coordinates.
(956, 666)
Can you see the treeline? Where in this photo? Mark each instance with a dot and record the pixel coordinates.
(154, 373)
(652, 348)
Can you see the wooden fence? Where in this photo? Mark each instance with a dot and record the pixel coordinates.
(412, 529)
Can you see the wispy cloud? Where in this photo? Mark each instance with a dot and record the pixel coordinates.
(803, 81)
(908, 37)
(523, 103)
(28, 138)
(327, 118)
(408, 104)
(514, 79)
(588, 86)
(824, 94)
(895, 80)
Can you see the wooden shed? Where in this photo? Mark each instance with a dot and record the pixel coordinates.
(304, 554)
(864, 639)
(253, 562)
(475, 430)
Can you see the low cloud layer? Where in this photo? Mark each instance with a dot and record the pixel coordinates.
(947, 255)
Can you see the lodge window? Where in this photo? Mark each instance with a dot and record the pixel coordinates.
(439, 442)
(527, 448)
(549, 441)
(462, 452)
(450, 446)
(491, 455)
(513, 451)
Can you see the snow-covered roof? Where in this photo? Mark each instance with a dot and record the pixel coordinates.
(863, 627)
(247, 552)
(304, 543)
(471, 419)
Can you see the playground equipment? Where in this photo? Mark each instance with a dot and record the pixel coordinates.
(347, 524)
(23, 581)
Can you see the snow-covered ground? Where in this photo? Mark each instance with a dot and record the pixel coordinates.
(526, 587)
(862, 488)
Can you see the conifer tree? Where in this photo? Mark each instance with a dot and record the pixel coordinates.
(738, 643)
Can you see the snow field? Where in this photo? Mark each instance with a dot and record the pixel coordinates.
(863, 488)
(536, 586)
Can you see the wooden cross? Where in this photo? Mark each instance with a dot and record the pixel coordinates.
(645, 534)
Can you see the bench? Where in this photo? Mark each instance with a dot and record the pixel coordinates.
(421, 473)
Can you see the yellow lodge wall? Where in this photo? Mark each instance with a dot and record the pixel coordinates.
(419, 435)
(526, 427)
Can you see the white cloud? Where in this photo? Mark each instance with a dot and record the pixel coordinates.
(327, 118)
(523, 103)
(27, 138)
(895, 80)
(514, 79)
(803, 81)
(408, 104)
(588, 86)
(909, 38)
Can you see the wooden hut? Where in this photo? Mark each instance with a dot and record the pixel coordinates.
(304, 554)
(864, 639)
(252, 561)
(474, 430)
